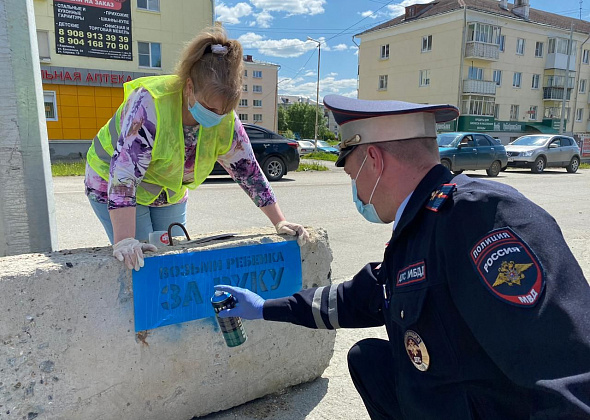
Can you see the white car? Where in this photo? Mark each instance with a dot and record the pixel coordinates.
(304, 147)
(539, 151)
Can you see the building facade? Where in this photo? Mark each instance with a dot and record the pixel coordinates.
(258, 104)
(510, 69)
(89, 48)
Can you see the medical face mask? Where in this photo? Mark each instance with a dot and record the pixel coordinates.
(368, 211)
(204, 116)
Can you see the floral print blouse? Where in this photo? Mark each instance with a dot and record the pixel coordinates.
(132, 157)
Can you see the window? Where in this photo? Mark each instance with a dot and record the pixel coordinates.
(516, 80)
(560, 46)
(382, 82)
(475, 73)
(502, 42)
(257, 117)
(151, 5)
(520, 46)
(482, 141)
(478, 105)
(243, 117)
(424, 77)
(257, 74)
(427, 43)
(582, 88)
(50, 105)
(579, 114)
(384, 52)
(514, 112)
(539, 49)
(257, 103)
(245, 88)
(497, 111)
(532, 112)
(149, 54)
(43, 43)
(482, 32)
(257, 88)
(245, 73)
(243, 102)
(585, 57)
(535, 82)
(498, 77)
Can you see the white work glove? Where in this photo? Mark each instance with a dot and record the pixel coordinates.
(130, 251)
(293, 229)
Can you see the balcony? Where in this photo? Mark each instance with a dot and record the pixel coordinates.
(555, 93)
(482, 50)
(559, 61)
(479, 87)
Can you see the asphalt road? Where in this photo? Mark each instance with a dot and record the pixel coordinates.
(323, 199)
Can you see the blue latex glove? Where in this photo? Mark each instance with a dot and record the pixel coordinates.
(248, 304)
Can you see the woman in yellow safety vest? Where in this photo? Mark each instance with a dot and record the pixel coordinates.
(165, 139)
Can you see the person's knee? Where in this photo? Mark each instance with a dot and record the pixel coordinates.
(358, 354)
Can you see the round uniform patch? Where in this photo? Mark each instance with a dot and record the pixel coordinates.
(416, 350)
(508, 267)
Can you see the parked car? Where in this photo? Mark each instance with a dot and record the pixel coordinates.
(324, 146)
(539, 151)
(304, 147)
(471, 151)
(276, 154)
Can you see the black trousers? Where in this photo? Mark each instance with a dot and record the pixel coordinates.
(371, 367)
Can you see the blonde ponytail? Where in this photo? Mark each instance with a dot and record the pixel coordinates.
(214, 70)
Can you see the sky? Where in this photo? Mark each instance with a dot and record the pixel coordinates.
(276, 31)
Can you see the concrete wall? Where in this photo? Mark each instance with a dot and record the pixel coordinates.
(69, 351)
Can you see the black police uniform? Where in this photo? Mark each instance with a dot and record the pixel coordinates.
(486, 309)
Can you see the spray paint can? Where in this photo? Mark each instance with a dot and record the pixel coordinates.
(232, 328)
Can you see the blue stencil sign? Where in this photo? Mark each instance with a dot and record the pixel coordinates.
(176, 288)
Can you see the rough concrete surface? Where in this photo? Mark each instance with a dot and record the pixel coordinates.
(69, 350)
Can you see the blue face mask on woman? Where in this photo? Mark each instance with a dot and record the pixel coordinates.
(368, 211)
(204, 116)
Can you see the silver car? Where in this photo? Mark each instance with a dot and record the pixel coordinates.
(540, 151)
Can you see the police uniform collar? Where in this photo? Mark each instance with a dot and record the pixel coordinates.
(432, 180)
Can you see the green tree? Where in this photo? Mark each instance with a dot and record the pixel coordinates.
(301, 120)
(283, 123)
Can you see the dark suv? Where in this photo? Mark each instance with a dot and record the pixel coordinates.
(275, 154)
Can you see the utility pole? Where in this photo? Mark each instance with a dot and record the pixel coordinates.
(317, 97)
(27, 208)
(566, 82)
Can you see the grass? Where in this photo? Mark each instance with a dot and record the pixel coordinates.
(584, 165)
(316, 166)
(321, 156)
(71, 168)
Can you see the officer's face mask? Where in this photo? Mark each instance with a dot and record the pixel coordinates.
(205, 117)
(368, 211)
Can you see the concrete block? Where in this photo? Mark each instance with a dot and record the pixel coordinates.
(68, 348)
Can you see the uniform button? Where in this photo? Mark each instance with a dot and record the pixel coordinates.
(401, 314)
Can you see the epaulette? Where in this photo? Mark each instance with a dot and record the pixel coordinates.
(439, 196)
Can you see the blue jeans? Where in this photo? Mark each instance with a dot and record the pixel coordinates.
(147, 219)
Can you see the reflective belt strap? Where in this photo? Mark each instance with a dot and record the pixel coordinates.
(333, 307)
(100, 151)
(151, 188)
(316, 308)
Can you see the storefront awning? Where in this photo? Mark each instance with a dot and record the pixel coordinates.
(541, 128)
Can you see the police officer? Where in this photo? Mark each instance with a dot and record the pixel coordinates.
(486, 308)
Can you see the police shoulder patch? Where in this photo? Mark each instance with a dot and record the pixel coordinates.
(508, 267)
(439, 196)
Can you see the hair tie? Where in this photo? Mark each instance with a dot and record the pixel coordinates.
(218, 49)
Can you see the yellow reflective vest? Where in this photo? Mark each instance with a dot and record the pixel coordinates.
(166, 169)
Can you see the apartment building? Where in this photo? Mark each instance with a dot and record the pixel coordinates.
(506, 66)
(89, 48)
(258, 104)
